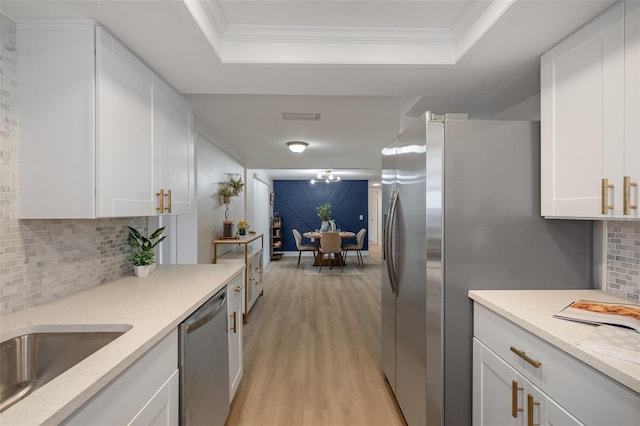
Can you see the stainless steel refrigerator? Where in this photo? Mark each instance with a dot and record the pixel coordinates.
(462, 211)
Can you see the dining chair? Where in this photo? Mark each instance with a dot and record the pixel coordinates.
(302, 247)
(357, 247)
(331, 243)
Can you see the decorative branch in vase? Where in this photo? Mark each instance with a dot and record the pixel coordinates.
(324, 213)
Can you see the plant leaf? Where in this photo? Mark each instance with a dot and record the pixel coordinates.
(157, 233)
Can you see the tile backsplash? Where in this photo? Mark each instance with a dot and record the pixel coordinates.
(623, 259)
(44, 259)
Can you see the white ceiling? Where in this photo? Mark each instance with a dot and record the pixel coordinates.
(368, 67)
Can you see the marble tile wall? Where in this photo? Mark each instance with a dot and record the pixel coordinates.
(623, 259)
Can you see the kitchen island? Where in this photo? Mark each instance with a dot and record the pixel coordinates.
(149, 308)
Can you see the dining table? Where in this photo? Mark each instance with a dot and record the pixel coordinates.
(317, 236)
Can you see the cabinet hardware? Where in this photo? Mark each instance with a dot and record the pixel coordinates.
(160, 196)
(530, 403)
(627, 195)
(233, 315)
(237, 289)
(168, 194)
(514, 399)
(522, 354)
(605, 196)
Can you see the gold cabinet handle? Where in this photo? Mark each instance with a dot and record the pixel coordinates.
(522, 354)
(514, 399)
(237, 289)
(168, 194)
(233, 315)
(627, 195)
(160, 195)
(605, 196)
(530, 403)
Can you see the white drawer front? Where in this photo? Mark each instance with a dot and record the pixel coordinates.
(590, 396)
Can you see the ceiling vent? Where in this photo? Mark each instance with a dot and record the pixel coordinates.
(303, 116)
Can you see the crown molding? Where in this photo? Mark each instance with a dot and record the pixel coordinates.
(347, 35)
(290, 44)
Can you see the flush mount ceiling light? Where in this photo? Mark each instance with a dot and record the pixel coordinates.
(304, 116)
(297, 146)
(326, 176)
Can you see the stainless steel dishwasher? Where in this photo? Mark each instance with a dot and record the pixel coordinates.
(204, 364)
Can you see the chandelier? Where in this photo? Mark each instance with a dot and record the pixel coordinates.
(326, 176)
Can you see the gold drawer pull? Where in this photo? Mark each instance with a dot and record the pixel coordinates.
(168, 194)
(627, 195)
(233, 315)
(605, 196)
(514, 399)
(160, 195)
(530, 403)
(522, 354)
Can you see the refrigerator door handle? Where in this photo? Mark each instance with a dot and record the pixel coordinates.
(388, 240)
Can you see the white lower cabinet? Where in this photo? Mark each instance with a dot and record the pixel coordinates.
(254, 278)
(252, 274)
(235, 293)
(519, 379)
(146, 393)
(504, 397)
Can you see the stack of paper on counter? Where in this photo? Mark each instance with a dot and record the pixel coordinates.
(619, 333)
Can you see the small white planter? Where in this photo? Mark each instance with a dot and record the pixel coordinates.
(142, 271)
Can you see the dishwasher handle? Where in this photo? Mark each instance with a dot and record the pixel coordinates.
(207, 314)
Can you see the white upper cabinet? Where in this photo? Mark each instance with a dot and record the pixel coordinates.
(632, 108)
(583, 118)
(100, 134)
(173, 148)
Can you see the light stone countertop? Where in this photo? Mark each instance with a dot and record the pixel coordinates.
(533, 310)
(152, 306)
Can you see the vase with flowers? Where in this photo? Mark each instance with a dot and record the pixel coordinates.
(243, 227)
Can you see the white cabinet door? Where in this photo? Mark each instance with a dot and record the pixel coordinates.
(55, 72)
(124, 131)
(235, 292)
(502, 396)
(582, 119)
(173, 147)
(632, 106)
(493, 382)
(162, 408)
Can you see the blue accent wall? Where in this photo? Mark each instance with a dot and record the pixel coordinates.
(296, 202)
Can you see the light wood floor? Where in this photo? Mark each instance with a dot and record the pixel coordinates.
(312, 351)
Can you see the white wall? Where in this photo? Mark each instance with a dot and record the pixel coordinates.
(212, 164)
(528, 110)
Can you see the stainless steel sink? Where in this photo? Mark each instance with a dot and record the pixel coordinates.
(30, 360)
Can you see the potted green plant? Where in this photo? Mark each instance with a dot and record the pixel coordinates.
(230, 188)
(324, 213)
(236, 185)
(142, 257)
